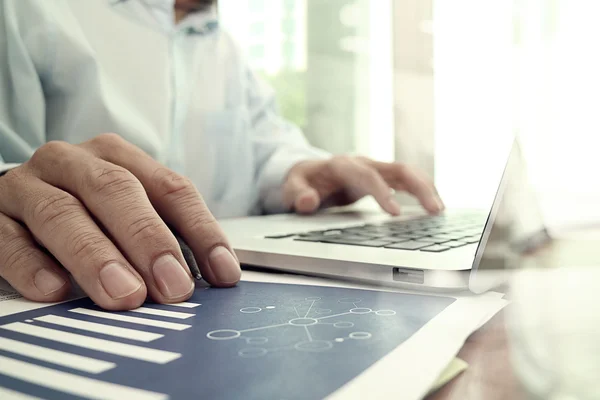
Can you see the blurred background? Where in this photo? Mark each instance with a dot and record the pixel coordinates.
(444, 85)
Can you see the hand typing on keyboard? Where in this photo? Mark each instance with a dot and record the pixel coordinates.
(342, 180)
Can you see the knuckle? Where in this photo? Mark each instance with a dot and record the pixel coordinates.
(108, 140)
(338, 162)
(402, 168)
(13, 246)
(10, 230)
(369, 175)
(146, 226)
(112, 180)
(16, 252)
(203, 223)
(13, 176)
(171, 184)
(55, 208)
(85, 244)
(50, 153)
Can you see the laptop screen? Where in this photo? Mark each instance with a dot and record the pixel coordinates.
(514, 225)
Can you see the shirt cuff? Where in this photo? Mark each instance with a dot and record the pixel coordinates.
(4, 168)
(276, 171)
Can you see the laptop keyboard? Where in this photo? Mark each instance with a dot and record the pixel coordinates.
(433, 234)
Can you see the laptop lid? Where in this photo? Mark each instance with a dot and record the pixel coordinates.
(514, 225)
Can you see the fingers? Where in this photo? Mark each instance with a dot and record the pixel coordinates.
(62, 224)
(299, 195)
(359, 176)
(180, 205)
(26, 267)
(402, 177)
(119, 202)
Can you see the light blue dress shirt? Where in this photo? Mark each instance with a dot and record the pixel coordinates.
(72, 69)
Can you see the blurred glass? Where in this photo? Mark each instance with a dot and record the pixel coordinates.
(330, 63)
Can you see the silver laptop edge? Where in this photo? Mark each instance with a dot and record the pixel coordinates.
(449, 271)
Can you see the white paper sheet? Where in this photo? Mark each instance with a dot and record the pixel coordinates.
(408, 371)
(413, 367)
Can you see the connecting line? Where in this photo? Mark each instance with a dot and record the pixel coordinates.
(355, 306)
(263, 327)
(297, 313)
(308, 333)
(309, 308)
(331, 316)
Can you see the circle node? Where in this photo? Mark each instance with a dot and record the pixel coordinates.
(303, 321)
(360, 335)
(339, 340)
(361, 310)
(343, 324)
(386, 313)
(223, 334)
(270, 307)
(312, 299)
(250, 310)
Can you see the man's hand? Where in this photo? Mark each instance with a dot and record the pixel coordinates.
(342, 180)
(100, 210)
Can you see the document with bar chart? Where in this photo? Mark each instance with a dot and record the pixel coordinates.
(254, 341)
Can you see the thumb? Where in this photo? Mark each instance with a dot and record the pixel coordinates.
(300, 196)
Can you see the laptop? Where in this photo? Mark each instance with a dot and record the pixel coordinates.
(415, 251)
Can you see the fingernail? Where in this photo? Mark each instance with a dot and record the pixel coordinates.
(118, 281)
(224, 265)
(171, 277)
(440, 204)
(48, 281)
(394, 207)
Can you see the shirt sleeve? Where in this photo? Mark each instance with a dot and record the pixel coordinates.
(277, 144)
(24, 52)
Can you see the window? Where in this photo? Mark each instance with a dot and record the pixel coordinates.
(330, 65)
(256, 6)
(288, 54)
(525, 68)
(257, 28)
(289, 6)
(256, 52)
(288, 27)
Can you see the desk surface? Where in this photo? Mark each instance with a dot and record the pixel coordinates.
(490, 374)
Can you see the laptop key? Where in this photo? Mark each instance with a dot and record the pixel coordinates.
(455, 244)
(447, 237)
(375, 243)
(472, 239)
(428, 240)
(436, 248)
(354, 242)
(396, 239)
(410, 245)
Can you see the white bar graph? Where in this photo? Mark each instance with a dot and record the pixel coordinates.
(134, 320)
(7, 394)
(163, 313)
(57, 357)
(73, 384)
(186, 304)
(106, 346)
(101, 328)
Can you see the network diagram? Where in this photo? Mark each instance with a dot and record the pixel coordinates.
(312, 317)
